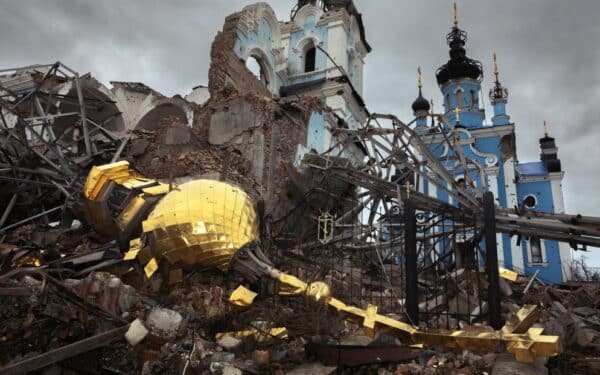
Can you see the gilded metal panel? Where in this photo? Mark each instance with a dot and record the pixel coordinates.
(202, 222)
(241, 298)
(130, 211)
(508, 274)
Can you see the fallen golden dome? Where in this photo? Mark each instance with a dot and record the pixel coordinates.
(202, 222)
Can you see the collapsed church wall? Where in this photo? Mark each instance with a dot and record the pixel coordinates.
(227, 69)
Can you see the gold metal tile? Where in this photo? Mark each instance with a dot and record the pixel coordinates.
(151, 268)
(214, 220)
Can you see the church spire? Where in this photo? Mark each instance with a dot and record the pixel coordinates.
(498, 92)
(499, 97)
(549, 152)
(496, 71)
(420, 106)
(455, 13)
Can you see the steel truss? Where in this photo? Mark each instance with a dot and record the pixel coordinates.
(42, 167)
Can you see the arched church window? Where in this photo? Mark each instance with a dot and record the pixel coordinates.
(255, 66)
(459, 99)
(536, 250)
(310, 59)
(474, 101)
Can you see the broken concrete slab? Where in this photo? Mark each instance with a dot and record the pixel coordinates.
(136, 333)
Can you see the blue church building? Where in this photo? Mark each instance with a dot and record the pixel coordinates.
(320, 51)
(490, 147)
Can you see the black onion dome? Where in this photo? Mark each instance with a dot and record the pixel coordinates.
(459, 65)
(420, 104)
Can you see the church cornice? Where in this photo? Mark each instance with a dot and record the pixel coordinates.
(340, 16)
(489, 131)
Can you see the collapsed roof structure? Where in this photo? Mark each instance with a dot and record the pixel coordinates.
(335, 208)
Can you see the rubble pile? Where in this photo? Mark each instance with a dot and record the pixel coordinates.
(48, 303)
(571, 312)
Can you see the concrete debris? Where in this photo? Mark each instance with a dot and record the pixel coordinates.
(136, 333)
(164, 320)
(229, 343)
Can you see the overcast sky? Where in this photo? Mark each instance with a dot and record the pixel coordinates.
(548, 53)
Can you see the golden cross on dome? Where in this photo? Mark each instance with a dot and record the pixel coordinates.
(496, 71)
(420, 77)
(456, 111)
(455, 15)
(545, 128)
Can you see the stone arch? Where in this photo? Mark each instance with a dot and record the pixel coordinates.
(307, 11)
(305, 42)
(252, 16)
(262, 59)
(165, 110)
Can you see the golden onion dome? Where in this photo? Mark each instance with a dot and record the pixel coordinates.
(202, 222)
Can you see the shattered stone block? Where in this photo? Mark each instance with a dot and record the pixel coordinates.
(136, 333)
(164, 320)
(229, 343)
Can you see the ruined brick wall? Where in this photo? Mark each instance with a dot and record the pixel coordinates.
(243, 138)
(226, 68)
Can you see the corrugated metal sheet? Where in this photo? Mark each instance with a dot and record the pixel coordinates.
(22, 81)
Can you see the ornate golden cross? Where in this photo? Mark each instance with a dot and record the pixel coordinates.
(496, 71)
(457, 113)
(455, 15)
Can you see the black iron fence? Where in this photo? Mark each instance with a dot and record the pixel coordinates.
(423, 268)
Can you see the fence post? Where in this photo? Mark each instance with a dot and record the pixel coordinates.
(410, 243)
(491, 260)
